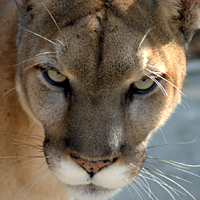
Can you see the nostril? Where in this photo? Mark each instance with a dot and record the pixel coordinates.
(114, 160)
(92, 167)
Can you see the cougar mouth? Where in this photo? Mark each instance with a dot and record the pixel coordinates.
(102, 185)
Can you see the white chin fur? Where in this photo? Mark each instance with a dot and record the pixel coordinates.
(80, 186)
(85, 193)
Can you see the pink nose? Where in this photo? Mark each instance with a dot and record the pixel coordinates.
(92, 167)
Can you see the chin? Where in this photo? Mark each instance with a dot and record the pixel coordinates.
(90, 192)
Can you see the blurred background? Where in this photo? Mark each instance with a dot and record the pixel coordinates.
(177, 181)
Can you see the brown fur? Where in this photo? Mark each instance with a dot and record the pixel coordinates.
(96, 46)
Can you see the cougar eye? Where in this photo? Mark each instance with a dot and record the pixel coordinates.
(142, 86)
(55, 77)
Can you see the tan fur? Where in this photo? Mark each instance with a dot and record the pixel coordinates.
(101, 47)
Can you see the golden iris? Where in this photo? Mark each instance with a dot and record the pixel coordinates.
(144, 84)
(56, 76)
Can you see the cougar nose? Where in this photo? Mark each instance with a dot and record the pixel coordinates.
(92, 167)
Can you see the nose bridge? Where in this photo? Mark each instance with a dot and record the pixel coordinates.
(97, 126)
(99, 113)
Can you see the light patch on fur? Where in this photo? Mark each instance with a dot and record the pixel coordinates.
(79, 184)
(111, 177)
(124, 5)
(71, 173)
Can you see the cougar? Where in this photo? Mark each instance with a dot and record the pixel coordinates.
(84, 84)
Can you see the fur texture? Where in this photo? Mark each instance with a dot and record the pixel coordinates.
(105, 49)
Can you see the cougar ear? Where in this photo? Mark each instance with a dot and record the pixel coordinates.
(184, 13)
(25, 16)
(25, 5)
(189, 18)
(25, 8)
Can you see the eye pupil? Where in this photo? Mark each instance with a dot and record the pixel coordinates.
(55, 77)
(143, 86)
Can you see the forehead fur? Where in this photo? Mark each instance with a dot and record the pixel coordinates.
(107, 32)
(169, 9)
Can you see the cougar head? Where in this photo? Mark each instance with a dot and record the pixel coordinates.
(99, 77)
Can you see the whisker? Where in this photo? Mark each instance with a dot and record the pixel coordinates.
(176, 191)
(178, 164)
(161, 71)
(34, 65)
(147, 184)
(144, 37)
(44, 53)
(171, 180)
(32, 183)
(185, 105)
(39, 35)
(143, 186)
(137, 190)
(44, 178)
(161, 145)
(9, 157)
(161, 183)
(159, 85)
(167, 82)
(39, 147)
(52, 17)
(37, 138)
(163, 135)
(28, 155)
(170, 174)
(7, 92)
(36, 182)
(20, 157)
(158, 180)
(133, 165)
(30, 160)
(60, 42)
(29, 128)
(127, 186)
(136, 181)
(37, 56)
(44, 71)
(26, 142)
(24, 167)
(54, 22)
(23, 188)
(134, 187)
